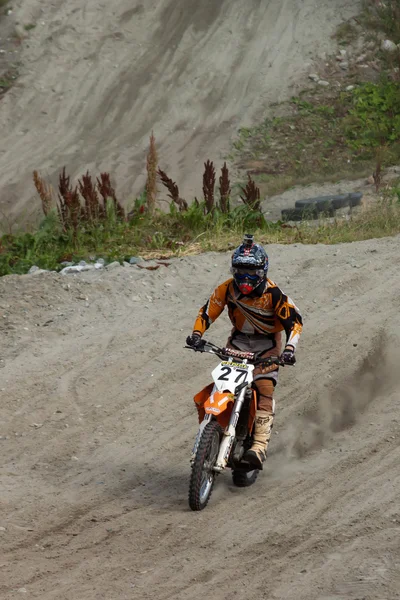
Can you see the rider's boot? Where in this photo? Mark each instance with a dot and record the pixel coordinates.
(257, 454)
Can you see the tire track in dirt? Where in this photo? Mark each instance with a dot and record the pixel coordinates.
(115, 522)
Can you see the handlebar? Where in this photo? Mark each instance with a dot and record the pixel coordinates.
(253, 358)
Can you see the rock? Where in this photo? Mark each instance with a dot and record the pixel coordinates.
(344, 65)
(113, 265)
(126, 264)
(36, 270)
(66, 263)
(100, 261)
(2, 528)
(350, 87)
(99, 265)
(134, 260)
(314, 77)
(361, 58)
(343, 52)
(323, 83)
(77, 268)
(388, 46)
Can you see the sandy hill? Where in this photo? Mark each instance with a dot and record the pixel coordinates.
(97, 77)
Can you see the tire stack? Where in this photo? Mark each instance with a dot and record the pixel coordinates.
(321, 206)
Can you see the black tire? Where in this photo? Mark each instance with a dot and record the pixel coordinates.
(308, 213)
(202, 477)
(324, 203)
(298, 214)
(355, 198)
(243, 478)
(341, 201)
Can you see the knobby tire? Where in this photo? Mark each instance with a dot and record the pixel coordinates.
(211, 430)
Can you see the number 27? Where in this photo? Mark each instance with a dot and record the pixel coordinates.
(227, 371)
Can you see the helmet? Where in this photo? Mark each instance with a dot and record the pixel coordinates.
(249, 265)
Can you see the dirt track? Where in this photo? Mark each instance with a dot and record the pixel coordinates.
(97, 77)
(98, 423)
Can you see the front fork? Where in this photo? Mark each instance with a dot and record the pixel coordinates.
(230, 432)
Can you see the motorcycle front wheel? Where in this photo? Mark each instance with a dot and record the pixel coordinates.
(202, 476)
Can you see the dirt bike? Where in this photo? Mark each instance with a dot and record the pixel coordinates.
(228, 408)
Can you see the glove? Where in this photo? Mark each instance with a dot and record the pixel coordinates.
(194, 340)
(288, 356)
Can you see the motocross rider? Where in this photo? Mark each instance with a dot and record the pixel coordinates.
(260, 313)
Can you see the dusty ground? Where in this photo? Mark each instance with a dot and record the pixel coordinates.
(97, 428)
(97, 77)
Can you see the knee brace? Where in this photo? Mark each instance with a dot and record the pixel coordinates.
(265, 395)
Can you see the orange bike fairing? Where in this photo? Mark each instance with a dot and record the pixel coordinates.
(218, 402)
(203, 398)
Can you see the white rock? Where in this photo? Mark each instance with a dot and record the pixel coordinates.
(77, 269)
(388, 45)
(361, 58)
(323, 83)
(314, 77)
(350, 87)
(113, 265)
(36, 270)
(344, 65)
(343, 52)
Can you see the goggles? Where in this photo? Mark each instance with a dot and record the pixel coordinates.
(247, 275)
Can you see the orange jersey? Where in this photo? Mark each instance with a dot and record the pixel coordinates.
(268, 312)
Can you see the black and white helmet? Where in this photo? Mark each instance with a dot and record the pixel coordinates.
(249, 265)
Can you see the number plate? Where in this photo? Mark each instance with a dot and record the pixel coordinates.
(227, 376)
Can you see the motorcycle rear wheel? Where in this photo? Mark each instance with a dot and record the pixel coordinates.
(202, 476)
(244, 478)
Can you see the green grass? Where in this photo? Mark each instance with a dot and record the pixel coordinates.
(325, 136)
(346, 32)
(382, 17)
(184, 233)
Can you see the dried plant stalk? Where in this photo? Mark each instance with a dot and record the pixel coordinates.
(45, 191)
(224, 189)
(74, 210)
(251, 195)
(93, 209)
(151, 183)
(209, 185)
(173, 190)
(377, 174)
(107, 191)
(64, 190)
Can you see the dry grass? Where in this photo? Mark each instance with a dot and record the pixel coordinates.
(45, 191)
(151, 183)
(209, 185)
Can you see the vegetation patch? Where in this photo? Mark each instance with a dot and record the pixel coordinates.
(112, 236)
(346, 123)
(324, 136)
